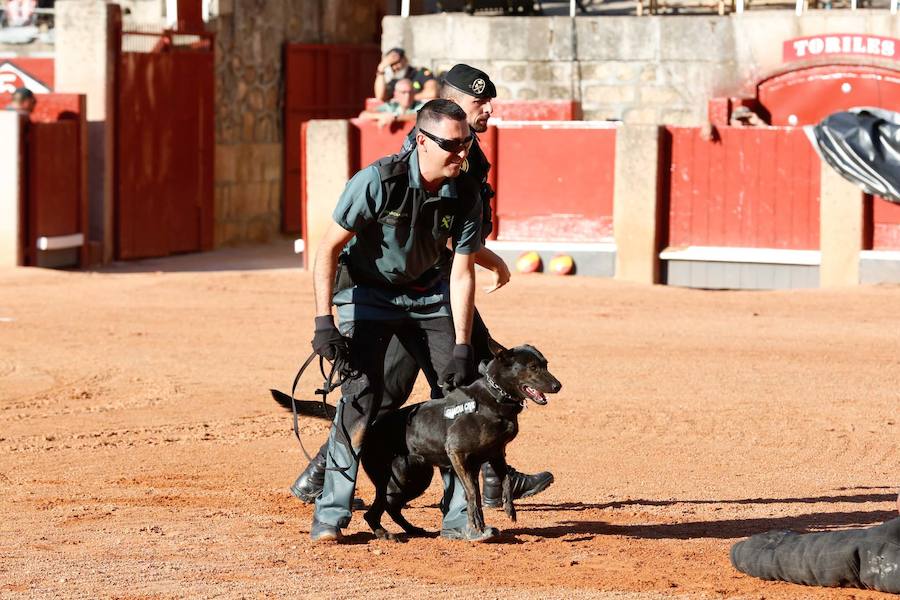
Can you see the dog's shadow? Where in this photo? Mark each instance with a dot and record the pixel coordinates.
(583, 506)
(719, 529)
(367, 537)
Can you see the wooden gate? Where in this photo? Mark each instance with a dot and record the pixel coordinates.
(321, 82)
(751, 188)
(164, 144)
(56, 217)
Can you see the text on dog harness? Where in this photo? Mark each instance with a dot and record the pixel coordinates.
(454, 411)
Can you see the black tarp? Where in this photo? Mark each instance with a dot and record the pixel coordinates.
(863, 558)
(863, 145)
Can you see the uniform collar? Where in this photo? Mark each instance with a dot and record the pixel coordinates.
(447, 189)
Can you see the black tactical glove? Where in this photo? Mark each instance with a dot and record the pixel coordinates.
(461, 370)
(327, 341)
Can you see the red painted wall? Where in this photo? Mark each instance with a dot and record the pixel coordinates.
(756, 188)
(321, 82)
(39, 69)
(814, 93)
(537, 110)
(554, 184)
(885, 225)
(376, 142)
(523, 110)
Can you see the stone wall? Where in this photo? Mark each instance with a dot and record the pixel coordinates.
(637, 69)
(250, 35)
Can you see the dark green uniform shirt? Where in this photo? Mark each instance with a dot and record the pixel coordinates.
(401, 230)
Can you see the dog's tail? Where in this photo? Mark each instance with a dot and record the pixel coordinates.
(305, 408)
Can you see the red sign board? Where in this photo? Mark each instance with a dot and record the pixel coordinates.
(841, 44)
(36, 74)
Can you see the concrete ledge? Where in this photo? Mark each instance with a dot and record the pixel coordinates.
(879, 266)
(771, 256)
(740, 276)
(597, 259)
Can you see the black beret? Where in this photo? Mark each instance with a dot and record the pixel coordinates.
(471, 81)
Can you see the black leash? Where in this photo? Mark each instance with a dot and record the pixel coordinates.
(340, 373)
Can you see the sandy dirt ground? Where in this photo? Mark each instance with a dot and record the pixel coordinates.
(142, 457)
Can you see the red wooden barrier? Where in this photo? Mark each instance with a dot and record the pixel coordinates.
(756, 188)
(164, 153)
(54, 179)
(885, 225)
(555, 183)
(322, 81)
(537, 110)
(55, 165)
(58, 107)
(376, 142)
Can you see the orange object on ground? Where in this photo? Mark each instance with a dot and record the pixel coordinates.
(529, 262)
(562, 265)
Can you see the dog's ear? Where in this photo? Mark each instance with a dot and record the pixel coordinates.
(494, 347)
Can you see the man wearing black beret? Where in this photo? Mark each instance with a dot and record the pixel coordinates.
(473, 91)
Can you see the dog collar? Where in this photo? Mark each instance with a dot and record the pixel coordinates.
(504, 396)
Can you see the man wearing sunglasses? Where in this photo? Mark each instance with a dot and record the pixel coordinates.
(380, 263)
(472, 90)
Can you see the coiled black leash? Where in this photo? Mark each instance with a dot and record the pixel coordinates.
(340, 373)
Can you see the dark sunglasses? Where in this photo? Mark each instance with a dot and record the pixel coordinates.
(451, 146)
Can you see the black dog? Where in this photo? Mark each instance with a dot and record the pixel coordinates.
(473, 424)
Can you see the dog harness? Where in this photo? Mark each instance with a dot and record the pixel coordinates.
(451, 412)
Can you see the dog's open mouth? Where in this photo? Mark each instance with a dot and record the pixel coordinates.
(536, 396)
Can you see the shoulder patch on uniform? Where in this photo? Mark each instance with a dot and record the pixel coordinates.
(451, 412)
(392, 166)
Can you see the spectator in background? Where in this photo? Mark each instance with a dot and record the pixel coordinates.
(394, 67)
(19, 13)
(23, 101)
(402, 107)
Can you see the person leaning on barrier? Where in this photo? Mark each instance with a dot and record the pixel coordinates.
(380, 264)
(393, 67)
(402, 107)
(473, 91)
(23, 101)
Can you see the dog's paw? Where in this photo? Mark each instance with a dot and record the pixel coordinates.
(511, 513)
(384, 534)
(417, 532)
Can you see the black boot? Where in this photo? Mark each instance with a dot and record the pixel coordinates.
(308, 486)
(523, 485)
